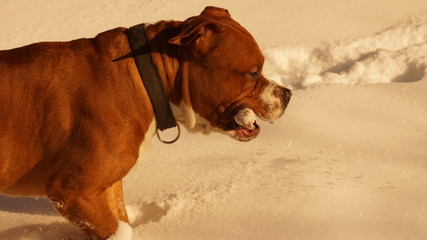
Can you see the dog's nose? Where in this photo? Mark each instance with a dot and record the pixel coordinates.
(286, 94)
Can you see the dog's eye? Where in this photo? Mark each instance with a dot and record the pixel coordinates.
(254, 75)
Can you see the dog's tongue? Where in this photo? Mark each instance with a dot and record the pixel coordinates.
(249, 132)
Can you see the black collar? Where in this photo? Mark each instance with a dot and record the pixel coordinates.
(151, 80)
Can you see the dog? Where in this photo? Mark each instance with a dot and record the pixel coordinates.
(74, 115)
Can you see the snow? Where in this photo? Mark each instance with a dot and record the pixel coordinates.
(346, 161)
(124, 232)
(392, 55)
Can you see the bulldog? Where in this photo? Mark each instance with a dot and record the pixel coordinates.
(73, 119)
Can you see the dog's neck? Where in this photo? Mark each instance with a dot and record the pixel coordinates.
(165, 57)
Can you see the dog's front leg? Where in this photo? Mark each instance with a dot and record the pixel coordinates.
(116, 201)
(97, 211)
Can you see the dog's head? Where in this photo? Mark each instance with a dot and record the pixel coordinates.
(224, 87)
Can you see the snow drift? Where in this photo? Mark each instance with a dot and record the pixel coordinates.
(396, 54)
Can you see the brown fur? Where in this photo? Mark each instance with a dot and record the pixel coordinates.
(71, 123)
(72, 120)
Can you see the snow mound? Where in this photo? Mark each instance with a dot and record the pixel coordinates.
(396, 54)
(124, 232)
(146, 212)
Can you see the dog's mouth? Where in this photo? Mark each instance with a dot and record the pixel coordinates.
(244, 126)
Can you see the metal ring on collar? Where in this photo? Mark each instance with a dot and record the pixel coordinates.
(172, 141)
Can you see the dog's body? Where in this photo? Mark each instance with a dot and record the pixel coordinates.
(72, 121)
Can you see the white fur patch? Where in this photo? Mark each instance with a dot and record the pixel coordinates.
(184, 114)
(192, 121)
(123, 232)
(273, 104)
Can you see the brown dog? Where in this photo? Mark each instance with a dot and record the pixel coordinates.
(72, 121)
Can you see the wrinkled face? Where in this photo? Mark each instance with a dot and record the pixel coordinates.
(227, 86)
(237, 90)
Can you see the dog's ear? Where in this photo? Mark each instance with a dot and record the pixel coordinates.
(190, 31)
(199, 31)
(200, 37)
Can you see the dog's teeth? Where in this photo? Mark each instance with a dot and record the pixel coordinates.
(246, 118)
